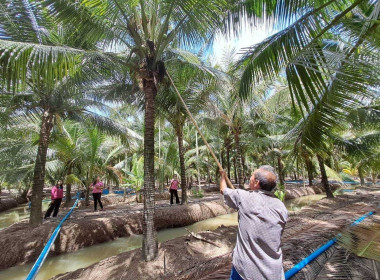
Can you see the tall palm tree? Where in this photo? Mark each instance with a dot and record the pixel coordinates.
(144, 32)
(42, 87)
(140, 35)
(194, 80)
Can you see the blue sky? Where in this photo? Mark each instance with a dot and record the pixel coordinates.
(250, 35)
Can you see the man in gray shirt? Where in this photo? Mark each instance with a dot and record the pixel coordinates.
(262, 218)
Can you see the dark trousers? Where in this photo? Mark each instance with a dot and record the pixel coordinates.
(172, 193)
(97, 198)
(54, 205)
(235, 275)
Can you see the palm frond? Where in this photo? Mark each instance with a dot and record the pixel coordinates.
(363, 240)
(43, 65)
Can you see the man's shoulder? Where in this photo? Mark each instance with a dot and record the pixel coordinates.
(278, 206)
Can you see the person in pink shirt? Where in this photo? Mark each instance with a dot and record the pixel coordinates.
(56, 199)
(174, 190)
(97, 188)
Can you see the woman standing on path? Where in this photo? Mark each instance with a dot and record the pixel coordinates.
(174, 190)
(97, 188)
(56, 199)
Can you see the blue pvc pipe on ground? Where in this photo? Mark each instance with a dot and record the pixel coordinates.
(295, 269)
(36, 267)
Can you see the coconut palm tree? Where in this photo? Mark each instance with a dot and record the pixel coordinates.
(359, 140)
(143, 33)
(321, 66)
(66, 142)
(195, 81)
(45, 89)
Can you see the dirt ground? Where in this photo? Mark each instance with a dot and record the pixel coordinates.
(192, 258)
(21, 243)
(121, 218)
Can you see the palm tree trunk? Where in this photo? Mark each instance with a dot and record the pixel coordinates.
(309, 168)
(68, 186)
(182, 164)
(235, 171)
(361, 176)
(228, 161)
(244, 167)
(239, 163)
(39, 168)
(149, 244)
(89, 182)
(197, 150)
(280, 171)
(208, 172)
(325, 181)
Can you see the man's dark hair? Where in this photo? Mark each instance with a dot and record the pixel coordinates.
(267, 179)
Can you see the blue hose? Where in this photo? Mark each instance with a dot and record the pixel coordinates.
(36, 267)
(295, 269)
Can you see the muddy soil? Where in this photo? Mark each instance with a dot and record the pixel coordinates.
(7, 203)
(122, 217)
(23, 243)
(191, 258)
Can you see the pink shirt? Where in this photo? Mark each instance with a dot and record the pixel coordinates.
(56, 192)
(97, 188)
(174, 184)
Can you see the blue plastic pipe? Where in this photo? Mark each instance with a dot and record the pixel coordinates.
(362, 218)
(36, 267)
(295, 269)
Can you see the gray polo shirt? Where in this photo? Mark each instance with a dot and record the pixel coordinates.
(262, 218)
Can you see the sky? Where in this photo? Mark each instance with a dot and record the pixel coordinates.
(250, 36)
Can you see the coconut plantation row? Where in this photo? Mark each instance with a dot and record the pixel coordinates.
(192, 139)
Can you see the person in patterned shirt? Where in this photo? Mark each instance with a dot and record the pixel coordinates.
(262, 218)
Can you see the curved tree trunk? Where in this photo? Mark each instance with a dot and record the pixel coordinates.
(181, 153)
(149, 244)
(239, 163)
(39, 168)
(325, 181)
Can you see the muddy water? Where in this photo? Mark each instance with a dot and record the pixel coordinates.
(87, 256)
(17, 214)
(297, 203)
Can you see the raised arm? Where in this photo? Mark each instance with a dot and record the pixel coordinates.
(223, 181)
